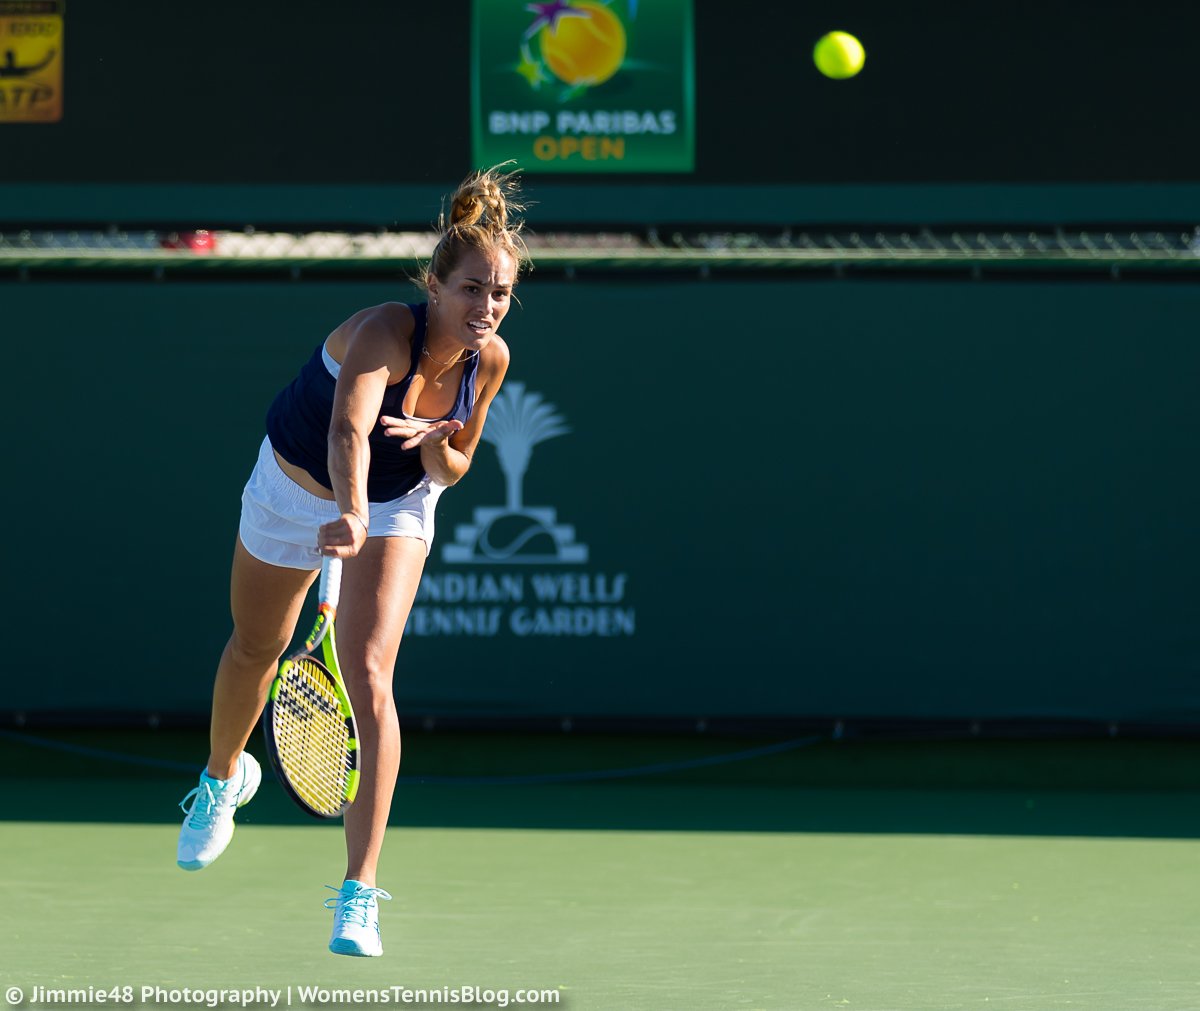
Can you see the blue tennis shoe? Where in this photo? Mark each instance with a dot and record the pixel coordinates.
(208, 827)
(356, 919)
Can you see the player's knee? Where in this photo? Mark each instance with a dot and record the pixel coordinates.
(371, 675)
(255, 650)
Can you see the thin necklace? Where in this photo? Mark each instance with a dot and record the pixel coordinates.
(445, 365)
(457, 361)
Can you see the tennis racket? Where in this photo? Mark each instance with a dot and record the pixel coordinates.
(308, 723)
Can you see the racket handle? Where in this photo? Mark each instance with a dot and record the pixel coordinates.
(330, 588)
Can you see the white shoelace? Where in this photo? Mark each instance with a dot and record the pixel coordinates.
(206, 800)
(355, 906)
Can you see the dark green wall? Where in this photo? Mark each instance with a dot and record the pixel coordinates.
(307, 92)
(1023, 113)
(859, 498)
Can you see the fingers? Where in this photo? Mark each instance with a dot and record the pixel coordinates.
(438, 432)
(410, 426)
(416, 432)
(401, 426)
(341, 538)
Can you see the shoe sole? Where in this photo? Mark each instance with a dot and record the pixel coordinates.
(343, 947)
(199, 865)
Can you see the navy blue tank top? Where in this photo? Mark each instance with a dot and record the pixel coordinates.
(298, 421)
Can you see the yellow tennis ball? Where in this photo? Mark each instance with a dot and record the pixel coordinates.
(587, 48)
(839, 55)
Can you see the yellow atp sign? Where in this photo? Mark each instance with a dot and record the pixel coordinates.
(31, 61)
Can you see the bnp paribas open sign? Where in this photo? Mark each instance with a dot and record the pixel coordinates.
(583, 85)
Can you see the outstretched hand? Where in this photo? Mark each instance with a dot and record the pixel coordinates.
(416, 433)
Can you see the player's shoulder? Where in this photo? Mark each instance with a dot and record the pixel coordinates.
(497, 350)
(389, 316)
(388, 325)
(378, 333)
(495, 357)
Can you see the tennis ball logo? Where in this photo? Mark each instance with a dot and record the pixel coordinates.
(585, 49)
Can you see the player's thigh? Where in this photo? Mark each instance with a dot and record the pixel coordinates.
(378, 589)
(266, 601)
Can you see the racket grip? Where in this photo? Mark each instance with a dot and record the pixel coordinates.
(330, 588)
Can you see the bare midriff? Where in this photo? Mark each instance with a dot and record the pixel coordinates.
(303, 478)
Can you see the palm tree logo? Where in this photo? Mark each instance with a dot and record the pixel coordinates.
(517, 421)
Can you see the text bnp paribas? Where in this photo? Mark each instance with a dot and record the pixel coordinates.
(591, 135)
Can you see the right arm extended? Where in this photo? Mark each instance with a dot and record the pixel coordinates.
(370, 353)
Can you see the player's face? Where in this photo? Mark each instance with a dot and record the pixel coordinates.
(472, 301)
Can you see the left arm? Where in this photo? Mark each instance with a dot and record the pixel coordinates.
(448, 446)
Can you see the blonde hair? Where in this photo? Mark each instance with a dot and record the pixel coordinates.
(484, 215)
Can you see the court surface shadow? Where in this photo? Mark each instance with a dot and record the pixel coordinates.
(1118, 788)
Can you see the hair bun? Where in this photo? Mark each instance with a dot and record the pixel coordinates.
(485, 215)
(465, 210)
(483, 200)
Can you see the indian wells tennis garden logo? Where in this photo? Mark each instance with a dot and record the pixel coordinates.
(515, 533)
(583, 85)
(515, 568)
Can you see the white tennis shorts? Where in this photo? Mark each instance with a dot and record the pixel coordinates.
(280, 519)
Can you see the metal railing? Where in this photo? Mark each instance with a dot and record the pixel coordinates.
(253, 251)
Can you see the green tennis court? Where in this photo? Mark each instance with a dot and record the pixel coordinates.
(741, 885)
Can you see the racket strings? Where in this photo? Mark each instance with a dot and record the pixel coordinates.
(311, 736)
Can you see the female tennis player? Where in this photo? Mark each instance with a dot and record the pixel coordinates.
(385, 415)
